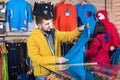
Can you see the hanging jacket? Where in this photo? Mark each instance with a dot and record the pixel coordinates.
(55, 8)
(65, 17)
(18, 14)
(99, 55)
(91, 12)
(86, 14)
(110, 27)
(115, 59)
(4, 64)
(77, 55)
(43, 7)
(5, 67)
(81, 15)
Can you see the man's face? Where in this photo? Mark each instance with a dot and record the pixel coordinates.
(45, 25)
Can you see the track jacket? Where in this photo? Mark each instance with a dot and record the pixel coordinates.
(18, 14)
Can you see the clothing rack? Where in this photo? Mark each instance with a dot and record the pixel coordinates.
(43, 1)
(84, 2)
(67, 1)
(14, 37)
(80, 1)
(105, 4)
(2, 36)
(18, 34)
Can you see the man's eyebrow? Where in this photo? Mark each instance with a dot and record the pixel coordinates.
(47, 23)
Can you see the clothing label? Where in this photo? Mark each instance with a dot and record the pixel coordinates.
(1, 26)
(67, 12)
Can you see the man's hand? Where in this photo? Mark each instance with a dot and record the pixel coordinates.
(62, 60)
(112, 48)
(62, 67)
(81, 28)
(87, 25)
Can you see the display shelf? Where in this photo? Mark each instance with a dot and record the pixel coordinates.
(2, 19)
(18, 34)
(2, 35)
(2, 2)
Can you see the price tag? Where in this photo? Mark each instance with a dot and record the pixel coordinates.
(1, 26)
(67, 12)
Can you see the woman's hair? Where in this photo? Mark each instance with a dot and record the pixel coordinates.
(42, 16)
(99, 28)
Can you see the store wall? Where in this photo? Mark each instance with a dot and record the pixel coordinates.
(112, 6)
(99, 4)
(115, 13)
(113, 9)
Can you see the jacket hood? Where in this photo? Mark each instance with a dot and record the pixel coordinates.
(91, 12)
(36, 31)
(90, 8)
(102, 15)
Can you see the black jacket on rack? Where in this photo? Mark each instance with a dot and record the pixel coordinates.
(18, 63)
(47, 8)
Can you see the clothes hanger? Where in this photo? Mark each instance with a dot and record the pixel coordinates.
(45, 1)
(66, 1)
(83, 2)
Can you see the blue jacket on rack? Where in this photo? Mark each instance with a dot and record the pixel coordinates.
(18, 14)
(86, 14)
(91, 12)
(81, 15)
(115, 58)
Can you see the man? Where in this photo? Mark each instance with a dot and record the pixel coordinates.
(44, 45)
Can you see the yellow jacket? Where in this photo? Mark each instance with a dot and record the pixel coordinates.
(40, 52)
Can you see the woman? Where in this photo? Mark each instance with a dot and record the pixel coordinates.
(99, 46)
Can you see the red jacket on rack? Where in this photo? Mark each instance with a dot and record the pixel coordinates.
(110, 27)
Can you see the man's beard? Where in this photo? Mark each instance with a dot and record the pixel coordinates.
(48, 32)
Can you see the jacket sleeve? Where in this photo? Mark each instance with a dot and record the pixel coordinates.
(29, 13)
(56, 17)
(67, 36)
(114, 36)
(64, 37)
(7, 12)
(37, 57)
(7, 17)
(93, 48)
(29, 18)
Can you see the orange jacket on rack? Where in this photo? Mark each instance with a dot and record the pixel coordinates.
(65, 17)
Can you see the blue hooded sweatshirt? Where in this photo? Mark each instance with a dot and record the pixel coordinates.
(76, 55)
(91, 13)
(86, 14)
(18, 14)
